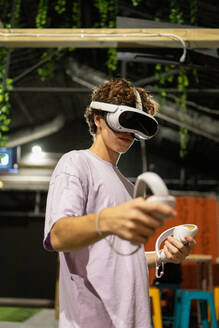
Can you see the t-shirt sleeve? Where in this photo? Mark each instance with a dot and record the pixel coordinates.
(66, 197)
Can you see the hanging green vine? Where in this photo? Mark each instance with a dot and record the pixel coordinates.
(49, 56)
(107, 11)
(161, 79)
(6, 83)
(5, 87)
(183, 83)
(102, 6)
(112, 61)
(76, 14)
(193, 8)
(76, 17)
(60, 6)
(136, 2)
(17, 12)
(41, 17)
(177, 16)
(47, 70)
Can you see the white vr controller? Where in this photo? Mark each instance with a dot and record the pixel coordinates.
(161, 194)
(156, 185)
(179, 232)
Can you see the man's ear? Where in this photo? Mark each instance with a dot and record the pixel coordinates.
(97, 119)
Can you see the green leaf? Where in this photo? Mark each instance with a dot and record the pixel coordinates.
(7, 121)
(3, 117)
(4, 128)
(158, 67)
(6, 97)
(9, 81)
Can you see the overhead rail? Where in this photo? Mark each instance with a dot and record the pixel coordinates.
(110, 37)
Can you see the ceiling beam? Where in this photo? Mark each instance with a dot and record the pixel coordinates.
(50, 89)
(107, 38)
(84, 90)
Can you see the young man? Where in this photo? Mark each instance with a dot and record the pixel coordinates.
(91, 216)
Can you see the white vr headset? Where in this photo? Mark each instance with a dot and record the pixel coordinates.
(121, 118)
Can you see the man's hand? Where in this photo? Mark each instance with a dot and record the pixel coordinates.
(135, 220)
(176, 251)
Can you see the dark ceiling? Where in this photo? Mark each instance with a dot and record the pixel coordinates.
(35, 104)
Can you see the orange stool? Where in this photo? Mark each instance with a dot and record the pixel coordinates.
(216, 301)
(154, 294)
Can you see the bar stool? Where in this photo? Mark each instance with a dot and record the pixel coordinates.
(183, 305)
(154, 294)
(216, 301)
(167, 318)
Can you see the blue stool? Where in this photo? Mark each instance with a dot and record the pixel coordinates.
(167, 319)
(183, 304)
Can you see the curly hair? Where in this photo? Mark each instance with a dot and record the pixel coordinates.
(118, 92)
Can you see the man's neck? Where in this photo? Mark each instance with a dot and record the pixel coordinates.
(99, 149)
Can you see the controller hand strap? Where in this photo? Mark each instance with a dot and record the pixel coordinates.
(151, 180)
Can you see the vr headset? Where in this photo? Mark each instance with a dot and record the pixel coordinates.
(121, 118)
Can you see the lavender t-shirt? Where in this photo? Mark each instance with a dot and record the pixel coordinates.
(98, 288)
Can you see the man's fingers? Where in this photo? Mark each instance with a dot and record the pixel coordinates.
(170, 256)
(176, 251)
(175, 242)
(146, 220)
(137, 219)
(157, 209)
(191, 241)
(143, 229)
(134, 237)
(173, 249)
(185, 248)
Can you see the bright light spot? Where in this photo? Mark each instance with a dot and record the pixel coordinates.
(37, 154)
(36, 150)
(1, 184)
(4, 160)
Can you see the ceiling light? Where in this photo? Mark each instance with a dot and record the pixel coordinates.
(37, 155)
(37, 150)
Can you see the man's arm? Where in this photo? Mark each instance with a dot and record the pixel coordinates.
(135, 220)
(152, 259)
(72, 233)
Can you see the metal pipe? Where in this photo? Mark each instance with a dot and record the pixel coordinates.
(198, 123)
(143, 155)
(29, 134)
(199, 107)
(151, 79)
(49, 89)
(22, 214)
(32, 68)
(92, 86)
(170, 112)
(200, 91)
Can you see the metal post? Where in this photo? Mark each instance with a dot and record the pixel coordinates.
(143, 155)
